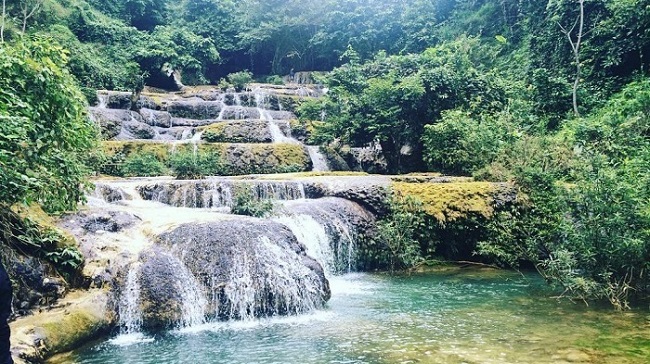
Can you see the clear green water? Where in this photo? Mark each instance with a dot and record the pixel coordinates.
(468, 316)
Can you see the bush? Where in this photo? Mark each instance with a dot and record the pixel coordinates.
(45, 133)
(143, 165)
(240, 80)
(462, 144)
(194, 165)
(275, 80)
(246, 204)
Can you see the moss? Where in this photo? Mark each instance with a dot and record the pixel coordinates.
(215, 133)
(83, 317)
(450, 201)
(126, 148)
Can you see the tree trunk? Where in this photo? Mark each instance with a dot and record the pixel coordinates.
(4, 16)
(576, 51)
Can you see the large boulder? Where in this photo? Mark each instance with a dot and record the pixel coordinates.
(245, 267)
(195, 109)
(238, 131)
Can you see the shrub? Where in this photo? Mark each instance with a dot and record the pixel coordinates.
(246, 204)
(462, 143)
(240, 80)
(275, 80)
(45, 134)
(143, 165)
(194, 165)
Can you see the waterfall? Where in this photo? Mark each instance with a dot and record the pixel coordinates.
(286, 279)
(102, 100)
(193, 301)
(312, 234)
(328, 228)
(216, 193)
(129, 308)
(318, 159)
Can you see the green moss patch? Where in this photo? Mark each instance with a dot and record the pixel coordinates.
(450, 201)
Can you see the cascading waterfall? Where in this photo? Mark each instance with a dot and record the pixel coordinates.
(218, 193)
(318, 159)
(312, 234)
(193, 301)
(295, 291)
(129, 309)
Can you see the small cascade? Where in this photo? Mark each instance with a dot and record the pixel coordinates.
(318, 159)
(328, 227)
(313, 235)
(102, 100)
(216, 193)
(193, 301)
(129, 308)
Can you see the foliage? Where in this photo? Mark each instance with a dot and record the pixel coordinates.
(194, 165)
(45, 134)
(239, 80)
(462, 143)
(390, 99)
(142, 165)
(586, 227)
(245, 203)
(48, 243)
(401, 232)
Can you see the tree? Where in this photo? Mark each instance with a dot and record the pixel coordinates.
(575, 46)
(28, 8)
(45, 133)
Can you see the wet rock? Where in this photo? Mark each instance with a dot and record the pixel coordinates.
(139, 130)
(238, 131)
(240, 113)
(194, 109)
(161, 119)
(111, 221)
(248, 267)
(82, 317)
(118, 100)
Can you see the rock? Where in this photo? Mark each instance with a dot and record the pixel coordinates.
(194, 109)
(238, 131)
(117, 100)
(138, 129)
(240, 113)
(112, 122)
(83, 316)
(111, 221)
(161, 119)
(249, 268)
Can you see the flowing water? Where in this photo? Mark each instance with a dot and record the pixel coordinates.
(453, 316)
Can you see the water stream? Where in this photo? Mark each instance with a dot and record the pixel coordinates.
(456, 316)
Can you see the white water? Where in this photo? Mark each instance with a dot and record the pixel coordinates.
(313, 236)
(193, 300)
(103, 100)
(318, 159)
(129, 310)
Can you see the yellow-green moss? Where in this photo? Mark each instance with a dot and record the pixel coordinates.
(450, 201)
(160, 150)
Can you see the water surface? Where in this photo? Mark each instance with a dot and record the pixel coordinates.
(455, 316)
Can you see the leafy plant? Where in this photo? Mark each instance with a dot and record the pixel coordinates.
(245, 203)
(143, 165)
(240, 80)
(45, 134)
(194, 165)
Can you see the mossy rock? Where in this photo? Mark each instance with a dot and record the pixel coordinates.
(448, 202)
(237, 158)
(238, 131)
(83, 317)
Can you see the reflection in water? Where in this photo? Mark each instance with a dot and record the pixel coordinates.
(449, 317)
